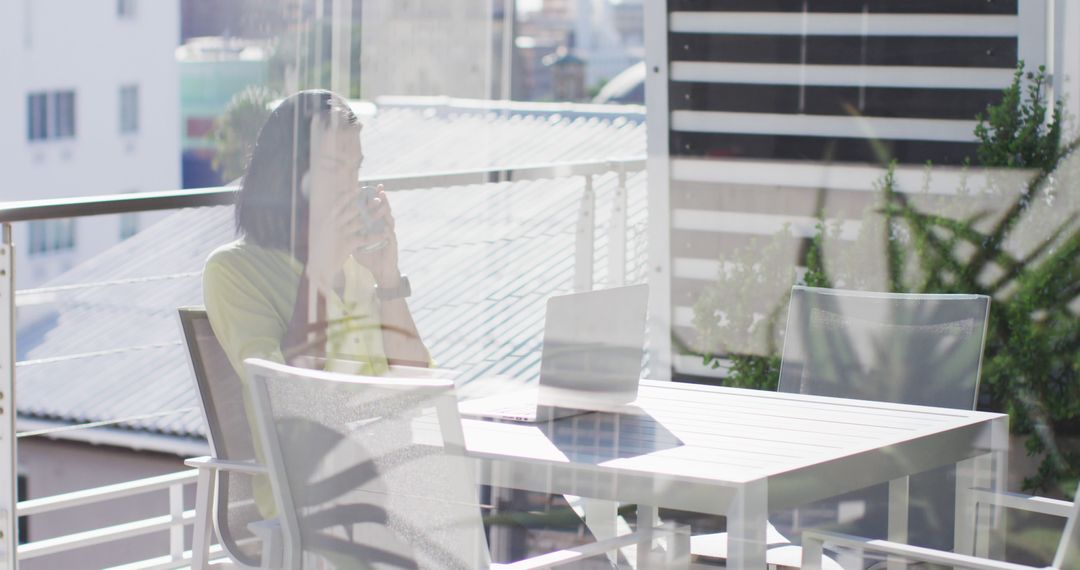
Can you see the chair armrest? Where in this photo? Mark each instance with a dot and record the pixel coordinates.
(1042, 505)
(678, 549)
(403, 371)
(394, 371)
(224, 465)
(813, 540)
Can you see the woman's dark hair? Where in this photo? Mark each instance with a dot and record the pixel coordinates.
(281, 157)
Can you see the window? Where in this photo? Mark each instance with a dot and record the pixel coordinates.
(125, 8)
(37, 123)
(129, 225)
(129, 109)
(63, 114)
(37, 237)
(22, 493)
(51, 235)
(50, 115)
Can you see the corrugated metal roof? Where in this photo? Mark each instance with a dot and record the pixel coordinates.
(482, 259)
(414, 138)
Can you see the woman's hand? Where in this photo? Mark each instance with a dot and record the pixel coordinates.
(335, 223)
(383, 261)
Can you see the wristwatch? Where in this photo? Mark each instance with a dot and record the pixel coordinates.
(390, 293)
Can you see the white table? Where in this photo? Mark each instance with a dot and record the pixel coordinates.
(743, 453)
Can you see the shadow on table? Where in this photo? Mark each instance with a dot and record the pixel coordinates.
(597, 437)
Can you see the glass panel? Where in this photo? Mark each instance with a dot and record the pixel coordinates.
(840, 209)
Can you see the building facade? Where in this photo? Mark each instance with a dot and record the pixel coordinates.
(71, 126)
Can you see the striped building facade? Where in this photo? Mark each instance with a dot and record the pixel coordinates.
(764, 112)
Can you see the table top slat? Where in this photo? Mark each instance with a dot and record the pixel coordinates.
(722, 435)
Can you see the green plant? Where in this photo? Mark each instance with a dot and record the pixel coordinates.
(1016, 132)
(238, 127)
(736, 317)
(1017, 239)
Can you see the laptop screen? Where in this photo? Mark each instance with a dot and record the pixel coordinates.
(593, 345)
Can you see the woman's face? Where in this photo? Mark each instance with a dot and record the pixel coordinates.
(336, 155)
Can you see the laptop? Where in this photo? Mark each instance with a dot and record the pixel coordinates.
(591, 359)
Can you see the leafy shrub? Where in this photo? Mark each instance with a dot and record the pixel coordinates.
(238, 127)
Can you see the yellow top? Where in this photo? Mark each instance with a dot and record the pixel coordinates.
(250, 291)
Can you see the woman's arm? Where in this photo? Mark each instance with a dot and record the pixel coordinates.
(401, 339)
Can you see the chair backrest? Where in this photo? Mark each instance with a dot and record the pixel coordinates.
(221, 395)
(905, 348)
(1068, 552)
(367, 471)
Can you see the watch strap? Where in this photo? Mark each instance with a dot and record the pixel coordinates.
(404, 289)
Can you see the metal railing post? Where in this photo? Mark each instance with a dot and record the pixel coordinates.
(1031, 37)
(617, 232)
(8, 457)
(341, 47)
(176, 512)
(585, 243)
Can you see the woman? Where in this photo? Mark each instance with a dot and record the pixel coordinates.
(314, 272)
(303, 279)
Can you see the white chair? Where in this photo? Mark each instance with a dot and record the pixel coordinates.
(921, 349)
(224, 496)
(371, 472)
(1066, 558)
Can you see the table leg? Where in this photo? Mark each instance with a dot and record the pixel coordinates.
(999, 480)
(506, 541)
(647, 517)
(979, 529)
(746, 524)
(898, 516)
(964, 525)
(600, 518)
(974, 521)
(983, 520)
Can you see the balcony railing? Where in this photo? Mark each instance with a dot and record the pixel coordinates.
(174, 521)
(176, 518)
